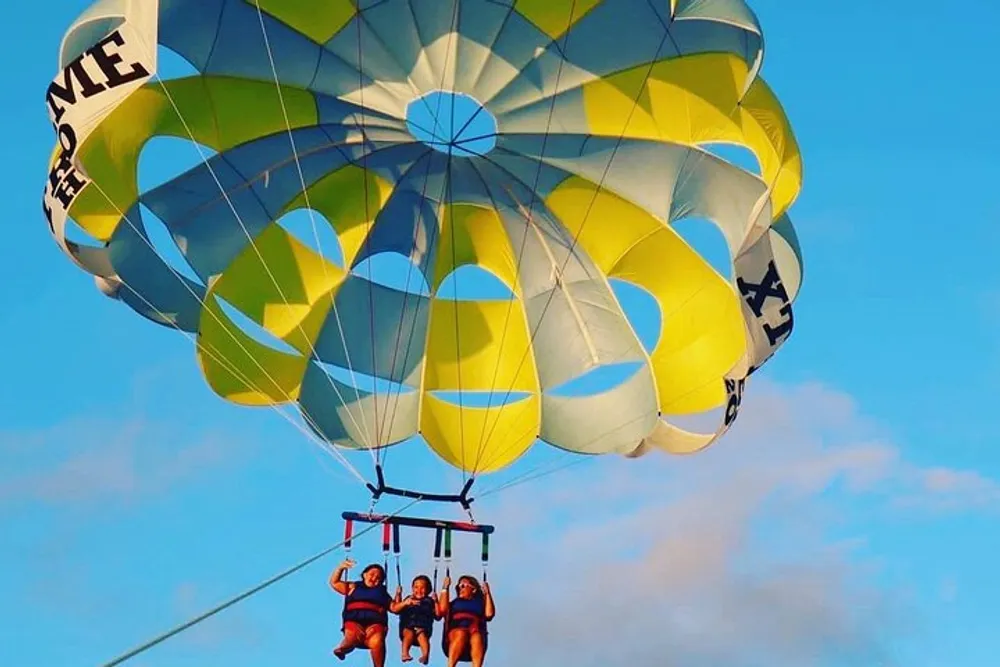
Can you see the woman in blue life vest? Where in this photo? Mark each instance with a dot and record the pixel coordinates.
(366, 611)
(465, 637)
(417, 613)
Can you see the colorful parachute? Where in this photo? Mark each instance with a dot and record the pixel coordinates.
(551, 143)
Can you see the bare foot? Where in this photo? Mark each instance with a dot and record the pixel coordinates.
(424, 659)
(407, 657)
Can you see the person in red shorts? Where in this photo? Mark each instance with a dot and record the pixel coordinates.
(366, 611)
(465, 636)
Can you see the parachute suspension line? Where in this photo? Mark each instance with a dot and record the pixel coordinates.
(448, 200)
(368, 236)
(433, 238)
(483, 441)
(537, 472)
(312, 221)
(589, 209)
(483, 437)
(546, 469)
(211, 353)
(402, 312)
(465, 126)
(246, 232)
(345, 544)
(557, 271)
(382, 488)
(243, 378)
(458, 334)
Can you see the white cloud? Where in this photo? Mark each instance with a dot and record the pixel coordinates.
(728, 558)
(946, 489)
(93, 461)
(735, 557)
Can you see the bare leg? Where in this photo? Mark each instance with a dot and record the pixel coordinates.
(376, 646)
(477, 649)
(407, 644)
(425, 647)
(457, 640)
(352, 639)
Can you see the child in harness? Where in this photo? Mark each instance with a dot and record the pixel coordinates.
(417, 613)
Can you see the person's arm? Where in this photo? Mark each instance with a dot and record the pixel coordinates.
(490, 610)
(398, 604)
(443, 601)
(336, 579)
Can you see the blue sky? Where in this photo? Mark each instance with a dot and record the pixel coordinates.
(858, 494)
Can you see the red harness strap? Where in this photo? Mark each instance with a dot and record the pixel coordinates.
(467, 616)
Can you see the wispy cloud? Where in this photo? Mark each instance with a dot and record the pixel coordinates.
(83, 469)
(94, 460)
(733, 557)
(947, 489)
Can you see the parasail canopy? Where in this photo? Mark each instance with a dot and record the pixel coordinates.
(553, 144)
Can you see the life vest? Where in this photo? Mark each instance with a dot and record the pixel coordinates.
(467, 613)
(367, 606)
(420, 616)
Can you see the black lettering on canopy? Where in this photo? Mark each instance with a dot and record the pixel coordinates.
(69, 187)
(64, 182)
(757, 294)
(775, 334)
(97, 69)
(66, 92)
(108, 61)
(82, 81)
(734, 389)
(62, 166)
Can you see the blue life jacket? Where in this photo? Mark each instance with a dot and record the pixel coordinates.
(463, 613)
(420, 616)
(367, 606)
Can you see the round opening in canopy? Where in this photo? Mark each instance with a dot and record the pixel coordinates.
(452, 123)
